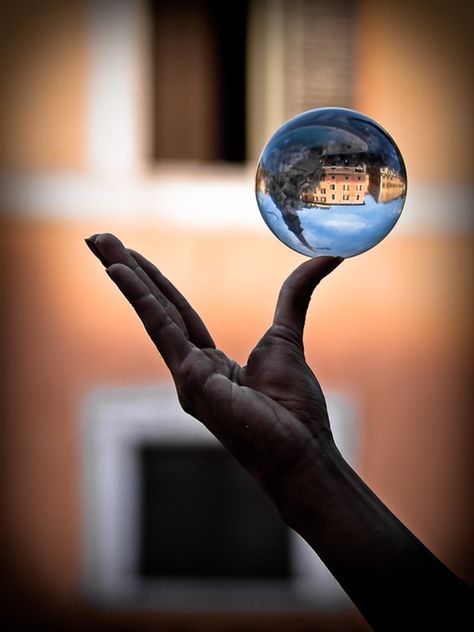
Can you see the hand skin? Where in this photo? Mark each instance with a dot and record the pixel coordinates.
(271, 415)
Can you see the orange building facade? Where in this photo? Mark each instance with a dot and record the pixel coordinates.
(340, 184)
(391, 328)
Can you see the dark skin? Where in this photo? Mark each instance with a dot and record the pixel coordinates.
(271, 415)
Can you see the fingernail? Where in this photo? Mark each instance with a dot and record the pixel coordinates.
(90, 241)
(91, 244)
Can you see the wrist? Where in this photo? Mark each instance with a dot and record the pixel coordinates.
(313, 478)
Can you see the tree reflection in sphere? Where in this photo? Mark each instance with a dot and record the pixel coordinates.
(331, 181)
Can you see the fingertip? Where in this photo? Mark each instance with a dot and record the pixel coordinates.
(106, 240)
(119, 270)
(91, 239)
(331, 263)
(128, 282)
(316, 268)
(102, 242)
(90, 242)
(139, 258)
(326, 264)
(327, 259)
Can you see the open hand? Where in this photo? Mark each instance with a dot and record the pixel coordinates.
(267, 413)
(271, 415)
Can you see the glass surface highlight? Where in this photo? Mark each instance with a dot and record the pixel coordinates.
(331, 181)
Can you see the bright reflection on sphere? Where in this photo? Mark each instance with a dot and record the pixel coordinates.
(331, 181)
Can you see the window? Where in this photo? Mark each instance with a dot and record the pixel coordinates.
(332, 187)
(199, 80)
(345, 197)
(141, 546)
(203, 477)
(203, 61)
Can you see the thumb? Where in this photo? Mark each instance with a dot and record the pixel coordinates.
(296, 292)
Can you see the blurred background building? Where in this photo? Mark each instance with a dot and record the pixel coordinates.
(146, 119)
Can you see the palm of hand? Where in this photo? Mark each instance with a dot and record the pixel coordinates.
(266, 413)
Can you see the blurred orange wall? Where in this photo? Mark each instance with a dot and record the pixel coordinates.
(392, 328)
(415, 78)
(43, 66)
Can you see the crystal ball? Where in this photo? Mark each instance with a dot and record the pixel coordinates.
(331, 181)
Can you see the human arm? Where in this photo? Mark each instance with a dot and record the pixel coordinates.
(271, 415)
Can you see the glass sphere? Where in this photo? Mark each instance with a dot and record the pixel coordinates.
(331, 181)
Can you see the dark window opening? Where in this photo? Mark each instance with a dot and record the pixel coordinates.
(203, 516)
(199, 77)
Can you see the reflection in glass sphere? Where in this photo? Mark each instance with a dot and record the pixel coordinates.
(331, 181)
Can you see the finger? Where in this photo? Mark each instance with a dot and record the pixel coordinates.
(111, 250)
(168, 337)
(197, 330)
(296, 292)
(90, 241)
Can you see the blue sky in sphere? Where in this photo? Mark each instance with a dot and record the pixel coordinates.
(339, 230)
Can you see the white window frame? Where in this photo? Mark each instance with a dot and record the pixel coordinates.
(116, 421)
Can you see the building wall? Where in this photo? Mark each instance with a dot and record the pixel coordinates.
(413, 77)
(392, 327)
(340, 185)
(43, 82)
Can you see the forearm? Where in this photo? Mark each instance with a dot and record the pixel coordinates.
(393, 579)
(380, 564)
